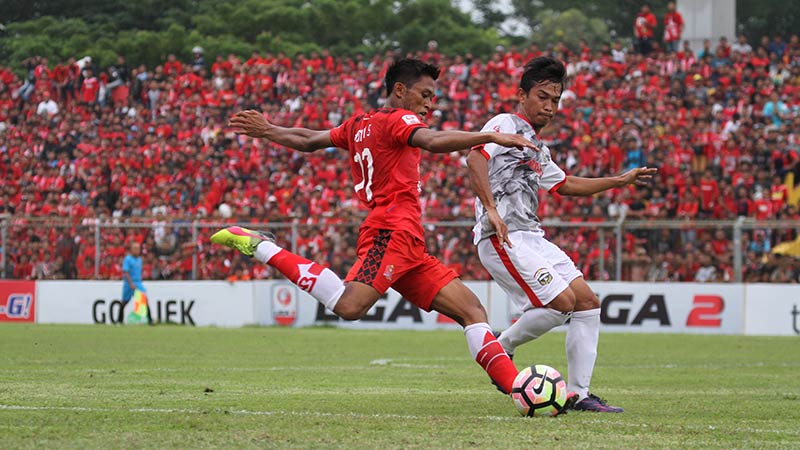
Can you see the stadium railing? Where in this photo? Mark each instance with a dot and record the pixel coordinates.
(603, 250)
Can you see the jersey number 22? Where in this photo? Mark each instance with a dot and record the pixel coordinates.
(364, 161)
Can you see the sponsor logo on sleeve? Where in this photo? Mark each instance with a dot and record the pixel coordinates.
(411, 119)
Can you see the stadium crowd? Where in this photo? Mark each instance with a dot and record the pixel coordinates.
(133, 144)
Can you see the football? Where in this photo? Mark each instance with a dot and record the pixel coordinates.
(539, 390)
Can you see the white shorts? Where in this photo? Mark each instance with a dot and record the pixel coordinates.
(533, 272)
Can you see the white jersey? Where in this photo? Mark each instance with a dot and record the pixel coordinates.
(515, 177)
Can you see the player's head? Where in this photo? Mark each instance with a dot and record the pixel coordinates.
(540, 90)
(411, 84)
(136, 248)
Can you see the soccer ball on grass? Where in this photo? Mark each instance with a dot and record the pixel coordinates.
(539, 390)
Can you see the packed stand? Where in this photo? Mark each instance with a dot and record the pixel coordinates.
(89, 153)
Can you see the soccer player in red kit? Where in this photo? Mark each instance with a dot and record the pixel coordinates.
(384, 146)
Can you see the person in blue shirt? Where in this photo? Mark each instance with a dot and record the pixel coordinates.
(775, 109)
(131, 278)
(634, 157)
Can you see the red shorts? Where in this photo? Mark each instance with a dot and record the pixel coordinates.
(397, 259)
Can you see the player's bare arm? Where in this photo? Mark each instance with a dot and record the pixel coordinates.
(450, 141)
(128, 280)
(580, 186)
(252, 123)
(479, 179)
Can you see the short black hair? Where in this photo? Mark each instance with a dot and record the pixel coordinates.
(541, 69)
(408, 72)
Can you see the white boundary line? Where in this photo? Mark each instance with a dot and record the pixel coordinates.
(412, 417)
(383, 362)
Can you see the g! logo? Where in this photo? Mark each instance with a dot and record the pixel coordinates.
(543, 277)
(283, 296)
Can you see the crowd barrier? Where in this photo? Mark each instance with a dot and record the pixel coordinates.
(734, 309)
(613, 249)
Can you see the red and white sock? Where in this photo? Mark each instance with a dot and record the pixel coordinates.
(319, 281)
(490, 355)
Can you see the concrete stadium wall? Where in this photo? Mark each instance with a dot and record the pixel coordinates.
(707, 19)
(749, 309)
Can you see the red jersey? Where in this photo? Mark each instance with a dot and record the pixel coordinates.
(644, 25)
(673, 23)
(385, 167)
(89, 89)
(709, 193)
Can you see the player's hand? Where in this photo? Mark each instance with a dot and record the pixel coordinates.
(499, 226)
(251, 123)
(640, 176)
(513, 140)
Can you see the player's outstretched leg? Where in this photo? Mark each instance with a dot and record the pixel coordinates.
(456, 301)
(320, 282)
(532, 324)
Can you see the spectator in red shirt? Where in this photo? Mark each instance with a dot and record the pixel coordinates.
(90, 87)
(779, 194)
(172, 66)
(643, 29)
(709, 193)
(673, 28)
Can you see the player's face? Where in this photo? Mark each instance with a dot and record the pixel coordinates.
(136, 249)
(419, 96)
(540, 104)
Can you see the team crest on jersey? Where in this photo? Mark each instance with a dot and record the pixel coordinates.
(389, 272)
(411, 119)
(496, 128)
(534, 166)
(543, 277)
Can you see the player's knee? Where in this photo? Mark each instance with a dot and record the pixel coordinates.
(349, 310)
(474, 313)
(587, 302)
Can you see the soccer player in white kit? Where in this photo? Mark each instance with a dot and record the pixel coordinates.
(537, 275)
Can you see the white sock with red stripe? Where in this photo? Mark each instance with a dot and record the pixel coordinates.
(320, 282)
(490, 355)
(533, 323)
(583, 334)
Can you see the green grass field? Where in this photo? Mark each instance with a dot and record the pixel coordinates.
(178, 387)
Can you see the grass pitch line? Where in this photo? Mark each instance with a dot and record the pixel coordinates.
(391, 362)
(399, 362)
(511, 418)
(207, 369)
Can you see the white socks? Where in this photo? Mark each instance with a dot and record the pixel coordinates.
(582, 336)
(533, 323)
(265, 251)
